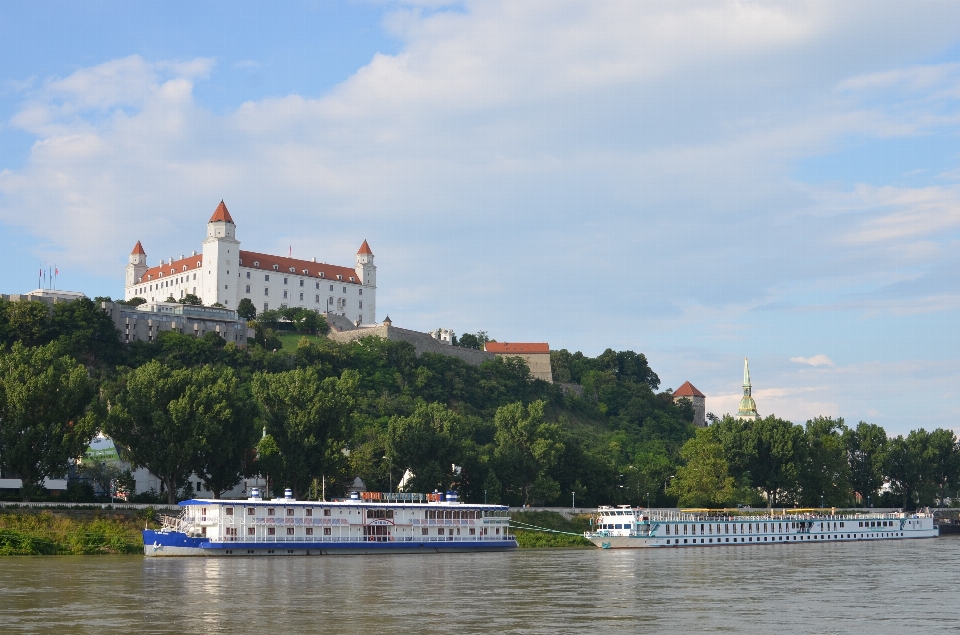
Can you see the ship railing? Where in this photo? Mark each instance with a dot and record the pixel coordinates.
(337, 539)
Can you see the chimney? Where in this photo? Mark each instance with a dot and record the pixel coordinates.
(314, 259)
(193, 253)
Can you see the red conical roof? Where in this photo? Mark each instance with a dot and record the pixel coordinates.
(365, 249)
(221, 215)
(688, 390)
(138, 249)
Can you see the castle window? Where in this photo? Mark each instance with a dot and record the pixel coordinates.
(266, 277)
(266, 291)
(184, 267)
(306, 272)
(198, 264)
(284, 295)
(352, 279)
(321, 274)
(301, 283)
(318, 285)
(286, 280)
(318, 299)
(361, 304)
(331, 287)
(360, 291)
(293, 269)
(194, 276)
(344, 289)
(339, 277)
(276, 267)
(248, 275)
(256, 263)
(266, 306)
(248, 288)
(301, 297)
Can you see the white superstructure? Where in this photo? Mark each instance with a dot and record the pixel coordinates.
(626, 527)
(378, 523)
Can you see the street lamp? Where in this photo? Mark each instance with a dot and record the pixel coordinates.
(484, 497)
(821, 501)
(868, 502)
(574, 504)
(648, 500)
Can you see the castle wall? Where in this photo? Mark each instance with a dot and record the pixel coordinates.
(421, 342)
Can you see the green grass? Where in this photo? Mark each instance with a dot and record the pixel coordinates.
(530, 539)
(31, 534)
(290, 340)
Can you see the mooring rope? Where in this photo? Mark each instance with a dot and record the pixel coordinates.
(527, 527)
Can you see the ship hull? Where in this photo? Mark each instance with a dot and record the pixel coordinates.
(177, 544)
(642, 542)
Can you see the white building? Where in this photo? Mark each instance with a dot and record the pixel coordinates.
(223, 273)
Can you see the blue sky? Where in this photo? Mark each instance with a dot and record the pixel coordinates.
(698, 181)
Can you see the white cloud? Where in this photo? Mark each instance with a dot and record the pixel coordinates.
(816, 360)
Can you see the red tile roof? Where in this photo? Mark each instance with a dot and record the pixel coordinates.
(313, 269)
(172, 268)
(504, 347)
(221, 214)
(687, 390)
(138, 249)
(365, 249)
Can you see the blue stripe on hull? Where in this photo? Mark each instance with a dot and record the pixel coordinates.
(179, 541)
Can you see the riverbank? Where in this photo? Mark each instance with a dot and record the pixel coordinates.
(532, 539)
(30, 532)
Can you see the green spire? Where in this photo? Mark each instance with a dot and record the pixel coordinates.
(748, 407)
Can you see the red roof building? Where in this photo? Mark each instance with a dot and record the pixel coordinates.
(697, 398)
(225, 274)
(536, 354)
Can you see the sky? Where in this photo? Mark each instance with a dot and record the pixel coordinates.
(697, 181)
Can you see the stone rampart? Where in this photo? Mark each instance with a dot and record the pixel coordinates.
(421, 342)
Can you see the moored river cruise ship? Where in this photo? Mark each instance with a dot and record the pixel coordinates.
(625, 527)
(367, 524)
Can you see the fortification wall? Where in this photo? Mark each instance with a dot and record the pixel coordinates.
(421, 342)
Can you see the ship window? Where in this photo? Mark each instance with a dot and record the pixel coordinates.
(289, 531)
(668, 530)
(289, 511)
(271, 531)
(309, 531)
(701, 529)
(326, 531)
(308, 512)
(251, 511)
(271, 511)
(440, 531)
(424, 531)
(251, 531)
(684, 530)
(473, 531)
(326, 511)
(228, 511)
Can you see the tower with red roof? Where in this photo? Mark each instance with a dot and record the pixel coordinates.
(697, 398)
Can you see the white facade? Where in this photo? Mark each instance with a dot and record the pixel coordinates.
(226, 274)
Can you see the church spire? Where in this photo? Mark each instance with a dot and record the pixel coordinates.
(748, 407)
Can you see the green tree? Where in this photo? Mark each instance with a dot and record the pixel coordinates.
(527, 446)
(904, 465)
(426, 443)
(825, 471)
(27, 322)
(191, 299)
(160, 414)
(942, 462)
(866, 447)
(704, 480)
(227, 429)
(85, 332)
(307, 417)
(46, 416)
(245, 309)
(767, 451)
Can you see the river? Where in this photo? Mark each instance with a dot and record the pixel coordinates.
(907, 586)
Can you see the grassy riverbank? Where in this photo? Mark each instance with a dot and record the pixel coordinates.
(529, 539)
(77, 532)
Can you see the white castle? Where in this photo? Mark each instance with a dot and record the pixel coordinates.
(225, 274)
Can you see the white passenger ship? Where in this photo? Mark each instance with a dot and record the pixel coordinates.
(625, 527)
(374, 523)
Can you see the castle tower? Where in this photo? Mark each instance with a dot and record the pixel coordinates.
(367, 275)
(221, 255)
(697, 398)
(748, 407)
(137, 266)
